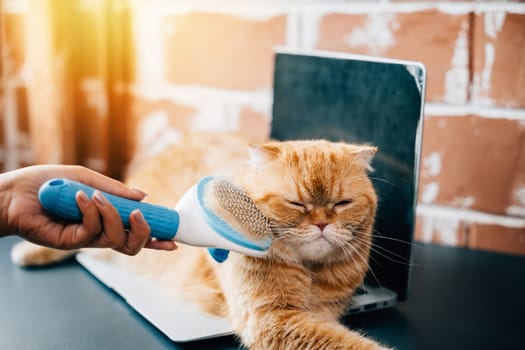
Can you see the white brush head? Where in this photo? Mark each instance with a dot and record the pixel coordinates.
(217, 214)
(241, 209)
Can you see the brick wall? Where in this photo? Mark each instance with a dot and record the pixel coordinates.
(207, 65)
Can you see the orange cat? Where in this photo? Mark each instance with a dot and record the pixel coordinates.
(321, 204)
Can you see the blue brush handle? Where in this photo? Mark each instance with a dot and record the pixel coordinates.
(57, 196)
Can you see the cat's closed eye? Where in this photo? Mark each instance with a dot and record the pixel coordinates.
(297, 205)
(343, 203)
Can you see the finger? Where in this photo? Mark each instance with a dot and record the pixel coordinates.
(91, 226)
(90, 215)
(113, 235)
(161, 245)
(109, 185)
(138, 236)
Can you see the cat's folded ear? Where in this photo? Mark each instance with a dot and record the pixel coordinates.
(365, 153)
(263, 153)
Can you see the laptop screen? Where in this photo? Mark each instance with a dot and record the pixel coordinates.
(361, 100)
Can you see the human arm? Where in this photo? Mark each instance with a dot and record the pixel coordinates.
(22, 214)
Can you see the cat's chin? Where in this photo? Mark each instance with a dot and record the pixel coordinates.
(319, 250)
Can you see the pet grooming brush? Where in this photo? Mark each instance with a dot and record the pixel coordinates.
(191, 222)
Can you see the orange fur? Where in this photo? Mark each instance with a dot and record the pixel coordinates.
(293, 298)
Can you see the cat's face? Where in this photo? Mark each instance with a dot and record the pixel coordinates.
(317, 195)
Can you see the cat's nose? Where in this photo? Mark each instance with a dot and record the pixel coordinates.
(321, 225)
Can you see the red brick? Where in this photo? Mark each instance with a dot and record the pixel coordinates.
(472, 162)
(439, 40)
(254, 125)
(516, 205)
(178, 118)
(498, 59)
(440, 230)
(222, 51)
(497, 238)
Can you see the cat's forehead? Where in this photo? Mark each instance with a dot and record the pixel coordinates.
(322, 184)
(320, 160)
(314, 171)
(316, 146)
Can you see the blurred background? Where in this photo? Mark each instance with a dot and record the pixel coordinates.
(98, 83)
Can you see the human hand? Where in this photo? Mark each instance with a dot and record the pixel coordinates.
(22, 214)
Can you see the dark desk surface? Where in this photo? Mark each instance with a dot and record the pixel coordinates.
(459, 299)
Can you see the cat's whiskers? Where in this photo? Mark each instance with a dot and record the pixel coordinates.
(356, 178)
(358, 236)
(377, 234)
(345, 243)
(350, 254)
(355, 237)
(382, 251)
(358, 254)
(382, 180)
(359, 177)
(349, 250)
(399, 241)
(286, 234)
(280, 231)
(351, 240)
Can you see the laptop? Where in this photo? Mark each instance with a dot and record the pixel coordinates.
(338, 97)
(362, 99)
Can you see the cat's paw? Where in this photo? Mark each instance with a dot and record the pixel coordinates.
(28, 254)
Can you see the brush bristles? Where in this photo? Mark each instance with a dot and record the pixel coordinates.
(236, 202)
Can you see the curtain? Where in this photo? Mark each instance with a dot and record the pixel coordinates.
(66, 66)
